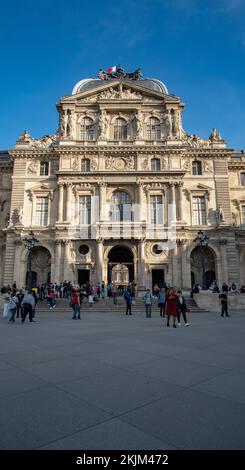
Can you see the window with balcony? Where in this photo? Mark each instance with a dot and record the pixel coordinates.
(41, 214)
(87, 129)
(120, 207)
(85, 210)
(156, 209)
(153, 130)
(199, 210)
(120, 129)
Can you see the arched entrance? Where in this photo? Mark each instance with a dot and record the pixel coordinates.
(40, 266)
(121, 256)
(203, 270)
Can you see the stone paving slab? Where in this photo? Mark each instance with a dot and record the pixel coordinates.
(111, 381)
(113, 434)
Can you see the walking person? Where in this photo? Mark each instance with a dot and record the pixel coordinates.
(148, 303)
(127, 297)
(182, 308)
(171, 306)
(161, 301)
(13, 306)
(28, 303)
(224, 302)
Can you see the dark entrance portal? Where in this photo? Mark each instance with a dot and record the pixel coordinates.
(157, 277)
(83, 276)
(121, 254)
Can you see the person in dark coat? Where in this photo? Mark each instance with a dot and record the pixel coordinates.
(181, 308)
(224, 302)
(128, 298)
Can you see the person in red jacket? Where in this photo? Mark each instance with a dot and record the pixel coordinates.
(171, 306)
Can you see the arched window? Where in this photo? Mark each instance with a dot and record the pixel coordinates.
(120, 129)
(120, 208)
(44, 168)
(85, 165)
(87, 129)
(153, 129)
(242, 179)
(155, 164)
(196, 167)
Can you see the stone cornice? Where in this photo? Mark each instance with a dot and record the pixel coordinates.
(240, 165)
(149, 174)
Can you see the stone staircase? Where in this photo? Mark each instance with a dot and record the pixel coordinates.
(107, 306)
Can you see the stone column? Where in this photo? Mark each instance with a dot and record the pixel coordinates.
(102, 199)
(186, 267)
(175, 265)
(99, 259)
(68, 202)
(57, 261)
(172, 212)
(67, 272)
(141, 268)
(180, 208)
(224, 266)
(61, 202)
(140, 201)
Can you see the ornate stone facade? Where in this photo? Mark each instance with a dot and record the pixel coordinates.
(108, 187)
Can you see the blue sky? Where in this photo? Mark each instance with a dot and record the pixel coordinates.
(197, 47)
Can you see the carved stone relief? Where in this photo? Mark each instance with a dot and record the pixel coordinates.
(120, 163)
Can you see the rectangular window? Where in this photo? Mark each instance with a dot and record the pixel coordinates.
(243, 217)
(41, 211)
(156, 210)
(85, 210)
(242, 179)
(44, 169)
(199, 210)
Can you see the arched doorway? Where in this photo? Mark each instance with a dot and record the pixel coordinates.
(203, 270)
(121, 255)
(40, 266)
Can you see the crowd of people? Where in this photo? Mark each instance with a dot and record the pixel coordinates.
(18, 303)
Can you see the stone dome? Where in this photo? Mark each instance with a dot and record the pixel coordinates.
(87, 84)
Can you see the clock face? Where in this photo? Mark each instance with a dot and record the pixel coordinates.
(120, 164)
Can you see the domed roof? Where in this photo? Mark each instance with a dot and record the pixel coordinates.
(149, 83)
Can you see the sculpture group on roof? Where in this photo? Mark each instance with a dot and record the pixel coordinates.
(120, 73)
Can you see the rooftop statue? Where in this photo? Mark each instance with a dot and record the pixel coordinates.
(215, 135)
(120, 73)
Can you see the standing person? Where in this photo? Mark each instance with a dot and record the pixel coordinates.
(127, 297)
(171, 308)
(90, 296)
(28, 303)
(13, 306)
(20, 297)
(224, 302)
(161, 301)
(182, 308)
(6, 299)
(156, 290)
(103, 290)
(148, 303)
(75, 302)
(114, 293)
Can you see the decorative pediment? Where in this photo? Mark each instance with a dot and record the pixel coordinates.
(118, 90)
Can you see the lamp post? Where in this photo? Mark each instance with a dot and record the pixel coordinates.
(201, 241)
(29, 243)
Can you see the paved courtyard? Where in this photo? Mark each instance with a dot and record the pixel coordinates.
(115, 382)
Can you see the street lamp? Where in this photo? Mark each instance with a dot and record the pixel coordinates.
(201, 241)
(29, 243)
